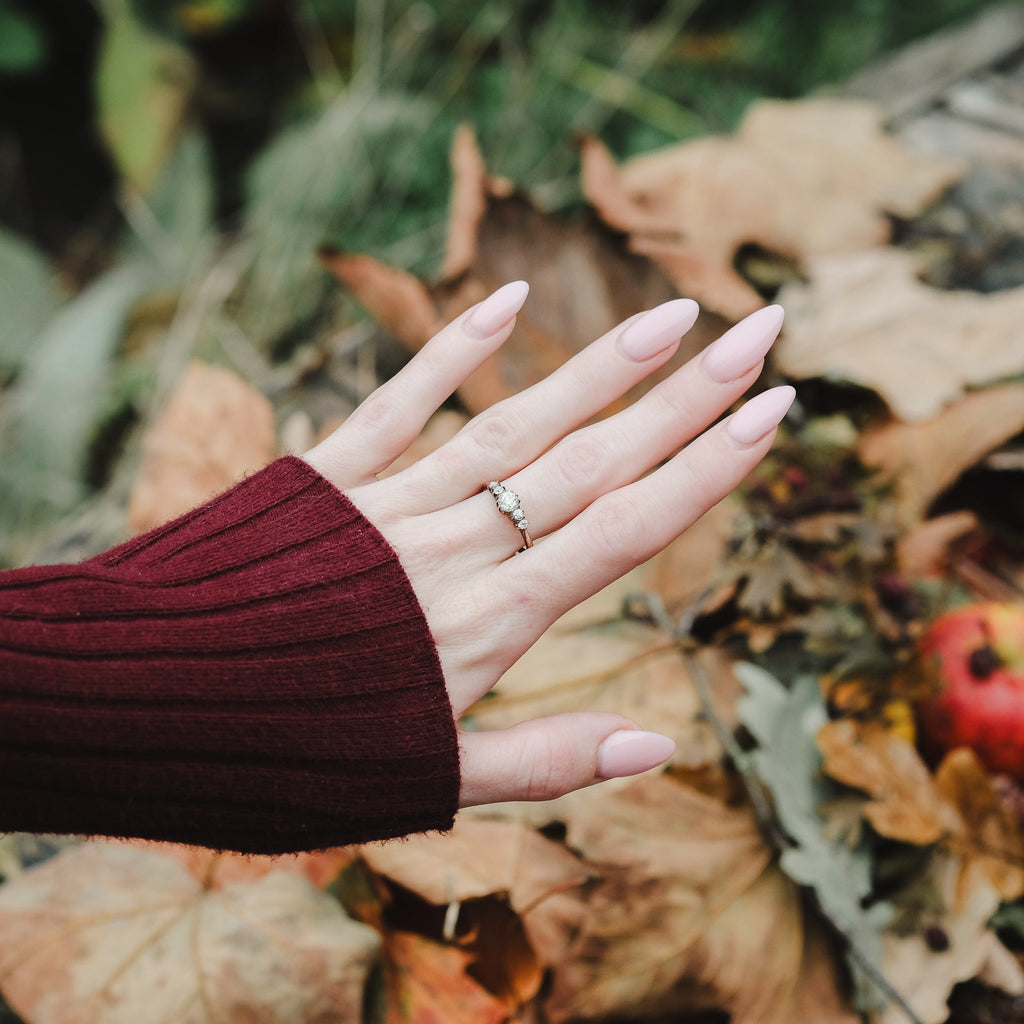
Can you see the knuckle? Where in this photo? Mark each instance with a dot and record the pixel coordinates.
(375, 412)
(620, 527)
(544, 774)
(580, 460)
(493, 432)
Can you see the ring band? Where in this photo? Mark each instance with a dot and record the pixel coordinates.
(508, 505)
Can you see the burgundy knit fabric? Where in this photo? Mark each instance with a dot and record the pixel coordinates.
(256, 675)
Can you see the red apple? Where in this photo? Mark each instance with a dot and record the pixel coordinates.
(974, 657)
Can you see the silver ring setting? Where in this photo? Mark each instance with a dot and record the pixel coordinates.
(508, 505)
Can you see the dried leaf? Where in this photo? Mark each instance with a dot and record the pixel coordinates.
(105, 932)
(583, 283)
(959, 807)
(802, 179)
(904, 804)
(213, 431)
(923, 459)
(924, 975)
(540, 879)
(688, 912)
(427, 983)
(867, 319)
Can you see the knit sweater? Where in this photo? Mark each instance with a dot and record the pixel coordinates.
(256, 675)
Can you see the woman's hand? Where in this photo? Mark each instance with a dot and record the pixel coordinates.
(592, 505)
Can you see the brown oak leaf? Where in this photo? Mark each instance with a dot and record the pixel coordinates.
(800, 178)
(867, 319)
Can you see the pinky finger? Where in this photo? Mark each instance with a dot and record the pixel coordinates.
(549, 757)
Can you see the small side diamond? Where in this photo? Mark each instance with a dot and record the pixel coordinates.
(507, 501)
(517, 514)
(523, 524)
(495, 488)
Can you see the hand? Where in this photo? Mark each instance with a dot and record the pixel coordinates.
(594, 513)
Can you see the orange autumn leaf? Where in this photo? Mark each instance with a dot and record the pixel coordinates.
(214, 430)
(428, 983)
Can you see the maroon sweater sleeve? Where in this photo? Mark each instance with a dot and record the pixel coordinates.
(256, 675)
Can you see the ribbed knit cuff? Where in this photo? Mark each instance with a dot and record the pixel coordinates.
(257, 675)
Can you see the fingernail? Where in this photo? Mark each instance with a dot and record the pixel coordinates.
(496, 310)
(760, 415)
(629, 752)
(655, 330)
(742, 347)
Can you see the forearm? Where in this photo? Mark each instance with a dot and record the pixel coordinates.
(257, 675)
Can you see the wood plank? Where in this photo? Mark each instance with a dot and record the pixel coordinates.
(909, 81)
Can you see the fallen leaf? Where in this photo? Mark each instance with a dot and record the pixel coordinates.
(867, 319)
(922, 459)
(904, 803)
(213, 431)
(959, 807)
(215, 869)
(105, 932)
(925, 549)
(427, 983)
(925, 976)
(689, 911)
(540, 879)
(583, 282)
(801, 179)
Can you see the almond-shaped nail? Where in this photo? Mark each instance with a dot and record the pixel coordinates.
(652, 332)
(742, 347)
(629, 752)
(760, 415)
(496, 310)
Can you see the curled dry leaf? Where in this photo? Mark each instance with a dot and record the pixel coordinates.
(689, 911)
(106, 932)
(213, 431)
(540, 879)
(865, 318)
(923, 459)
(583, 282)
(427, 983)
(801, 179)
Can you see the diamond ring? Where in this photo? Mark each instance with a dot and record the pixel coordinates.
(508, 504)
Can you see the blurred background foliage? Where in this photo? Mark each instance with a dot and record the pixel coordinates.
(169, 168)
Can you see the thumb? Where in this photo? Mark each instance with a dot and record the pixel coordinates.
(549, 757)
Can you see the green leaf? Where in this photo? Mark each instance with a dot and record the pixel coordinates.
(143, 85)
(27, 296)
(785, 723)
(22, 45)
(62, 392)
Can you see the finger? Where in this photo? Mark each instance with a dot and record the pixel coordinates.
(549, 757)
(607, 455)
(627, 526)
(514, 432)
(384, 425)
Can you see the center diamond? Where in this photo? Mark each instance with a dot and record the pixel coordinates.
(507, 501)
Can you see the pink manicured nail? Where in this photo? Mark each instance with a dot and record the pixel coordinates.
(496, 310)
(655, 330)
(629, 752)
(742, 347)
(761, 414)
